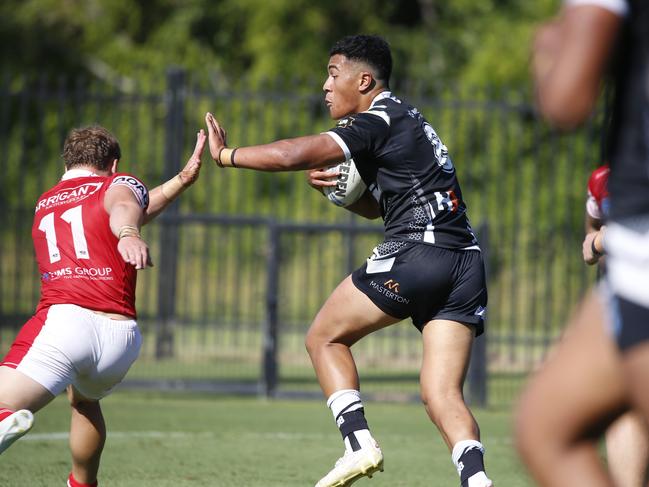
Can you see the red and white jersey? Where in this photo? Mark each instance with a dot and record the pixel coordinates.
(597, 204)
(75, 248)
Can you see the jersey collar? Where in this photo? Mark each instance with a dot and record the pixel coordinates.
(77, 173)
(381, 96)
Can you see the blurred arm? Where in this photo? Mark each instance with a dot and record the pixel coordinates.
(569, 58)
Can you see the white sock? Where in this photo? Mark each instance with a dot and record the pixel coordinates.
(345, 401)
(460, 448)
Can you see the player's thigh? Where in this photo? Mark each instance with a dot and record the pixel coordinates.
(580, 389)
(636, 366)
(18, 391)
(42, 350)
(446, 353)
(347, 316)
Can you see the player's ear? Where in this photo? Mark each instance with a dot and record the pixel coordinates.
(113, 167)
(366, 82)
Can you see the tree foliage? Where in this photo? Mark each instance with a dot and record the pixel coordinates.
(463, 41)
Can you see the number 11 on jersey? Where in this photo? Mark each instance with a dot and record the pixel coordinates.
(74, 217)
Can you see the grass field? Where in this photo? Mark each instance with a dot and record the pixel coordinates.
(191, 440)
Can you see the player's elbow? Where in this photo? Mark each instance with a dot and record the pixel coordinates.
(285, 159)
(566, 111)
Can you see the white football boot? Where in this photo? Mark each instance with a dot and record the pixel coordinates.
(480, 479)
(15, 426)
(353, 465)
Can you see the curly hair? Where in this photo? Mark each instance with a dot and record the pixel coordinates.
(371, 49)
(91, 146)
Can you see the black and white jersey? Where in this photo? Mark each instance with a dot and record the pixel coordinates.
(629, 142)
(408, 170)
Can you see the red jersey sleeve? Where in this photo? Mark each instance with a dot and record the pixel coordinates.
(597, 202)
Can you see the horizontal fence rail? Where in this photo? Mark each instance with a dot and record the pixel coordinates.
(245, 259)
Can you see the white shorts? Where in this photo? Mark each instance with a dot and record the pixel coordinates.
(66, 344)
(628, 262)
(627, 281)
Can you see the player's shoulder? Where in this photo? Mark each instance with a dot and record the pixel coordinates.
(133, 183)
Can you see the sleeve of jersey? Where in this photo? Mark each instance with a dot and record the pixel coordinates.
(361, 133)
(135, 185)
(592, 208)
(618, 7)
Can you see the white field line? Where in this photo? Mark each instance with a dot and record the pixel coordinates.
(279, 435)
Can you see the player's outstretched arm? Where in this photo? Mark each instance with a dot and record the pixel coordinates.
(126, 216)
(161, 196)
(300, 153)
(568, 61)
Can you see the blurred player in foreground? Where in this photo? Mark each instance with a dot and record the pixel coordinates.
(428, 268)
(627, 438)
(587, 382)
(84, 337)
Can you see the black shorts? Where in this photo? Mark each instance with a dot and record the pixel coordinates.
(425, 282)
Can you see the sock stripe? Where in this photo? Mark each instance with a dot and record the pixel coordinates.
(5, 413)
(346, 409)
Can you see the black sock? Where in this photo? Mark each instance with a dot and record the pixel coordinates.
(472, 462)
(350, 422)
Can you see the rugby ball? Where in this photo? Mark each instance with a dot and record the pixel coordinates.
(349, 185)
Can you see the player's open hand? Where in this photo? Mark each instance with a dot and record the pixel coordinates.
(135, 251)
(190, 172)
(319, 178)
(217, 136)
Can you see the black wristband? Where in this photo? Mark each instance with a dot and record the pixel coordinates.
(232, 157)
(596, 252)
(218, 158)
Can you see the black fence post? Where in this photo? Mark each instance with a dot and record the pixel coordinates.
(478, 374)
(270, 369)
(168, 263)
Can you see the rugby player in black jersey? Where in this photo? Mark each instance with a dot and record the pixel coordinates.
(429, 266)
(589, 381)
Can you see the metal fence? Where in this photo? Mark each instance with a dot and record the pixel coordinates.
(245, 259)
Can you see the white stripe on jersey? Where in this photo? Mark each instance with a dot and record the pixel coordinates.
(341, 143)
(383, 115)
(618, 7)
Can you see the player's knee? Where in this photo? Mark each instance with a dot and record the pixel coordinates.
(314, 340)
(438, 398)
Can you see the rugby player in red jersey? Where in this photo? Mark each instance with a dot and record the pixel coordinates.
(597, 207)
(83, 336)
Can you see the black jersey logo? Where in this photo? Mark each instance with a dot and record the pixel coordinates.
(345, 122)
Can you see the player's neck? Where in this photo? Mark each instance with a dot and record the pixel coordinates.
(368, 98)
(90, 169)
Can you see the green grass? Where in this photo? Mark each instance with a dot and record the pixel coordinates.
(191, 440)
